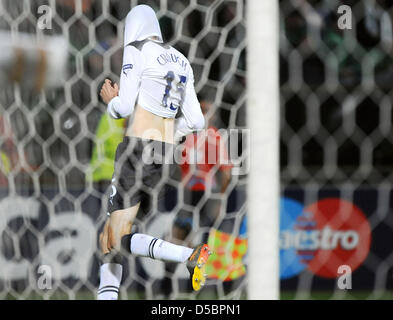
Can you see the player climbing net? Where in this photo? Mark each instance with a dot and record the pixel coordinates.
(57, 144)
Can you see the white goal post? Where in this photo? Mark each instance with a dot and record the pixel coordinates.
(263, 122)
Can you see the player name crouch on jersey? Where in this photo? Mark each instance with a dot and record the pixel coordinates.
(165, 58)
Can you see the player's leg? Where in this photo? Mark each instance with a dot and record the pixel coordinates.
(117, 234)
(117, 225)
(144, 245)
(123, 205)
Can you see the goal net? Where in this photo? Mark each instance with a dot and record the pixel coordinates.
(57, 152)
(336, 146)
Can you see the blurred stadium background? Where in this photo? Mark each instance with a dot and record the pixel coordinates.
(336, 150)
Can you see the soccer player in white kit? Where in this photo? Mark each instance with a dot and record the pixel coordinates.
(156, 81)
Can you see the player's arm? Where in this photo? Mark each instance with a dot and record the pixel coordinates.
(121, 101)
(192, 118)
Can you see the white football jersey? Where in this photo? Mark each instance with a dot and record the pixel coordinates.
(160, 79)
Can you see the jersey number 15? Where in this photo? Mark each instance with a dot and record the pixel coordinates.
(170, 76)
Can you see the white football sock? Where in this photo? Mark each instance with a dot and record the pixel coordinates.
(110, 278)
(148, 246)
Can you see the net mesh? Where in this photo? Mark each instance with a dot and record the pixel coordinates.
(57, 148)
(57, 151)
(336, 141)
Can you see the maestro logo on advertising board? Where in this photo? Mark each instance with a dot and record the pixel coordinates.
(321, 237)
